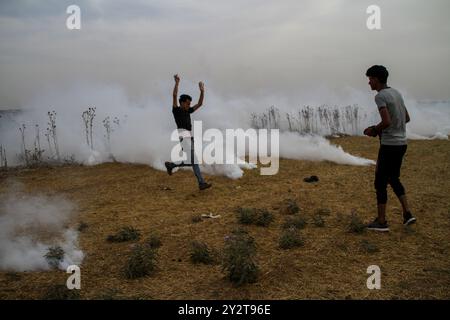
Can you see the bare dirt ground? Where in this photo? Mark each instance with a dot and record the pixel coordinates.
(332, 264)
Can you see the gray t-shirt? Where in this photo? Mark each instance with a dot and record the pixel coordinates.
(395, 134)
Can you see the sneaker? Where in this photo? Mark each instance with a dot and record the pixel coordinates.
(376, 226)
(408, 219)
(204, 185)
(169, 167)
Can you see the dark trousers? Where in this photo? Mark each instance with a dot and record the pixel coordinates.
(389, 163)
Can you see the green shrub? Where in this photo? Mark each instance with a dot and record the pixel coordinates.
(238, 258)
(54, 256)
(154, 241)
(296, 221)
(318, 221)
(290, 206)
(200, 253)
(142, 262)
(125, 234)
(323, 212)
(60, 292)
(246, 215)
(263, 218)
(259, 217)
(290, 238)
(109, 294)
(82, 226)
(356, 225)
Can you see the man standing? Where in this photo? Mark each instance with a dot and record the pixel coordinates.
(182, 115)
(393, 145)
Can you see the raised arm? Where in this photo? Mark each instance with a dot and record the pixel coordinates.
(202, 94)
(175, 91)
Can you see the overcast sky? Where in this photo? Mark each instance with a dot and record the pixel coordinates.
(238, 47)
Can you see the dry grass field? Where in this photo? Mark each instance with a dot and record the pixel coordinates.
(332, 263)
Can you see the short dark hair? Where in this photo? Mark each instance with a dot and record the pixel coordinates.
(184, 97)
(379, 72)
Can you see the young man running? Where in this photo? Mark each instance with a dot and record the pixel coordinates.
(393, 145)
(182, 115)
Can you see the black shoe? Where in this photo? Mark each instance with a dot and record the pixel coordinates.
(376, 226)
(169, 167)
(311, 179)
(408, 219)
(204, 185)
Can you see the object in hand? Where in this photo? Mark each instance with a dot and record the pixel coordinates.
(371, 131)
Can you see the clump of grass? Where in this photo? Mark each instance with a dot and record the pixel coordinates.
(319, 221)
(13, 276)
(290, 238)
(263, 218)
(154, 241)
(259, 217)
(239, 258)
(339, 217)
(290, 206)
(82, 226)
(196, 219)
(200, 253)
(246, 215)
(323, 212)
(109, 294)
(296, 221)
(125, 234)
(142, 262)
(60, 292)
(342, 246)
(369, 247)
(356, 225)
(54, 256)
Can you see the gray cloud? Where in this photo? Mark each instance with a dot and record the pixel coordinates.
(240, 48)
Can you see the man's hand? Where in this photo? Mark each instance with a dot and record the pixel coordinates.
(201, 85)
(175, 91)
(371, 131)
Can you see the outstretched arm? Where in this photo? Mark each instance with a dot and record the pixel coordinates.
(175, 91)
(202, 94)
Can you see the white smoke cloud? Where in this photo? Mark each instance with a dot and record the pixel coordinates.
(429, 120)
(29, 225)
(316, 148)
(145, 125)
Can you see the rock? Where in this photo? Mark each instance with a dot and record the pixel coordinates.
(311, 179)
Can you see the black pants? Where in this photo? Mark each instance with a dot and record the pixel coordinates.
(387, 171)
